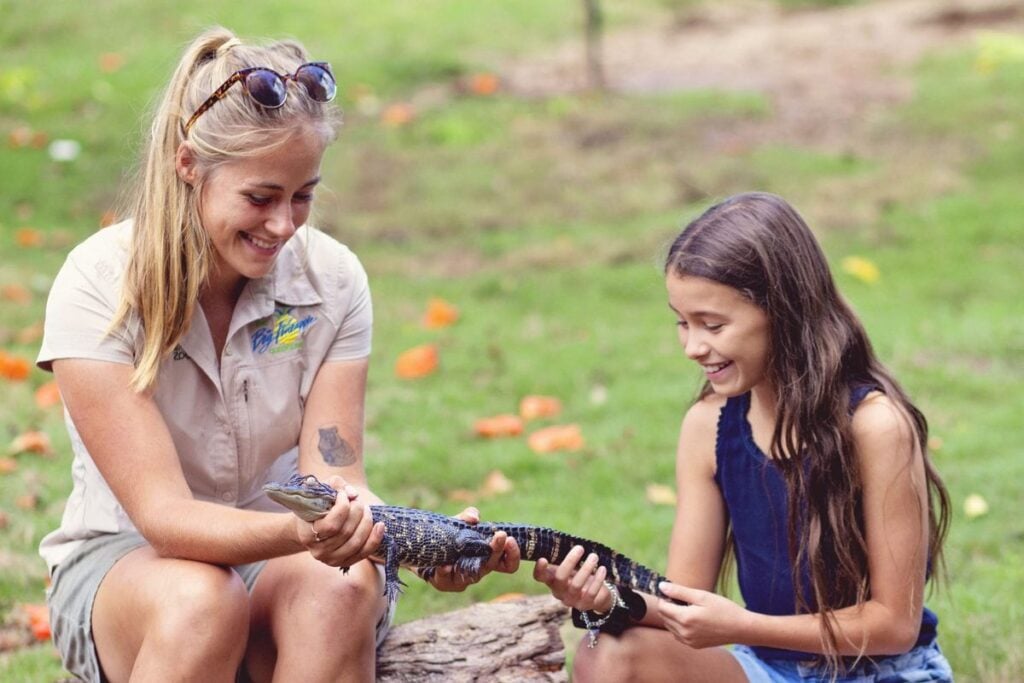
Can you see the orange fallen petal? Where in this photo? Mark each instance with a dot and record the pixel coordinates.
(28, 237)
(483, 84)
(31, 442)
(439, 313)
(463, 496)
(508, 597)
(556, 438)
(27, 501)
(20, 136)
(30, 335)
(18, 294)
(498, 426)
(398, 114)
(48, 395)
(111, 61)
(495, 484)
(13, 367)
(38, 617)
(533, 407)
(417, 362)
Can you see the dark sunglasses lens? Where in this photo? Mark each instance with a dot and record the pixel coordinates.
(266, 87)
(318, 81)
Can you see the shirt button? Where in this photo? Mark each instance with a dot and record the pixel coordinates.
(227, 351)
(227, 496)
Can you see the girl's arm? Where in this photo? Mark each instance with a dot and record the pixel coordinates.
(698, 535)
(128, 440)
(896, 524)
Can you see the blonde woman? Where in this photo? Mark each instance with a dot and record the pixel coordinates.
(207, 344)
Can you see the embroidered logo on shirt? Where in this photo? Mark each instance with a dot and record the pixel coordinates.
(179, 353)
(284, 333)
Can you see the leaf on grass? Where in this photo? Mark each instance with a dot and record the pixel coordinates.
(861, 268)
(417, 362)
(498, 426)
(18, 294)
(508, 597)
(31, 442)
(8, 465)
(659, 494)
(439, 314)
(975, 506)
(534, 406)
(496, 483)
(556, 438)
(13, 367)
(397, 115)
(48, 395)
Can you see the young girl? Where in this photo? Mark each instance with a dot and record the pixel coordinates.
(204, 346)
(803, 458)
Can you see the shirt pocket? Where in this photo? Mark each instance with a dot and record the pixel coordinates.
(272, 404)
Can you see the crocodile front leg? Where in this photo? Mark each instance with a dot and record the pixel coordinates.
(392, 583)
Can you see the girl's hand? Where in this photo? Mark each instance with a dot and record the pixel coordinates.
(709, 620)
(504, 558)
(346, 534)
(581, 588)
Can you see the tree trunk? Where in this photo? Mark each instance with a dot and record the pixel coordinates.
(505, 641)
(593, 29)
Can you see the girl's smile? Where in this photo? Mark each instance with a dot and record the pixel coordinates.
(722, 331)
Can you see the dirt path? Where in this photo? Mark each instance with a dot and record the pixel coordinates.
(825, 71)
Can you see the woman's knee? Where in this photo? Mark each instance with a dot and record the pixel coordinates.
(205, 606)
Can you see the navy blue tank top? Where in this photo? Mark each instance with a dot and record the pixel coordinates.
(755, 496)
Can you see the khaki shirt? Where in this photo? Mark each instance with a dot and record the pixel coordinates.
(235, 423)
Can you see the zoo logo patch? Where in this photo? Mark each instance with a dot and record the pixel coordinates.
(284, 333)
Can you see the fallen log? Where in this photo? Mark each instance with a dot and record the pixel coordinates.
(496, 641)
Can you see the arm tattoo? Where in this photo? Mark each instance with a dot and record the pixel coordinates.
(334, 449)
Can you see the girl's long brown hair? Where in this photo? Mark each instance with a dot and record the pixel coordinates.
(759, 245)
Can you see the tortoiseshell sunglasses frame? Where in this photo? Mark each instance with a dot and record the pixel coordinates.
(240, 76)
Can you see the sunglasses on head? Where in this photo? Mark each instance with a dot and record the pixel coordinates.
(268, 88)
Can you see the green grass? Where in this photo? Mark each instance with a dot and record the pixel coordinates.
(544, 222)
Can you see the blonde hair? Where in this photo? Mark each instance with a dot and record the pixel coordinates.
(170, 257)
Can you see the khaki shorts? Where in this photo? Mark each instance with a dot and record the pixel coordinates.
(73, 588)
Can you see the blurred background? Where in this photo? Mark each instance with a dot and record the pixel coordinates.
(511, 174)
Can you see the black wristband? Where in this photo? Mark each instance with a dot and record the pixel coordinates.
(620, 618)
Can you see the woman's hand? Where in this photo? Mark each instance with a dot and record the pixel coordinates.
(582, 588)
(346, 534)
(709, 620)
(504, 558)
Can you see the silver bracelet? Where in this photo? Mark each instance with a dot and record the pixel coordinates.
(594, 626)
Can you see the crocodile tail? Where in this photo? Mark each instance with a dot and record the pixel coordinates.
(537, 542)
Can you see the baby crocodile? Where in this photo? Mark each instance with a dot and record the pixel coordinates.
(429, 540)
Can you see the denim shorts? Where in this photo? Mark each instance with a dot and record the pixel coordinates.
(923, 663)
(73, 588)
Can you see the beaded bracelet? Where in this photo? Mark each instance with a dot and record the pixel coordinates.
(594, 625)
